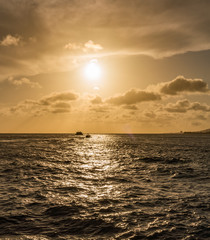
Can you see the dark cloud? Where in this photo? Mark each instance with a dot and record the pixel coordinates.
(25, 21)
(181, 84)
(60, 107)
(182, 106)
(53, 103)
(133, 96)
(23, 36)
(196, 106)
(55, 97)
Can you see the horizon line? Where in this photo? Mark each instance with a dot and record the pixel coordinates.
(120, 133)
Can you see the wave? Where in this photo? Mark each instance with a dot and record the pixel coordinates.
(164, 160)
(112, 187)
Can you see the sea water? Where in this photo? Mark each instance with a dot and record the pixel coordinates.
(62, 186)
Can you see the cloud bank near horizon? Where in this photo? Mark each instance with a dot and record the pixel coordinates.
(58, 102)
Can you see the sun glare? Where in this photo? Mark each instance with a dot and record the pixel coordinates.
(93, 70)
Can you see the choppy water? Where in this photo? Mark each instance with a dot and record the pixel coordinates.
(105, 187)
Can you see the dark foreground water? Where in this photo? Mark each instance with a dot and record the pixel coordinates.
(104, 187)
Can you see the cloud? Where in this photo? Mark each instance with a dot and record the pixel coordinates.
(86, 47)
(182, 106)
(130, 107)
(96, 100)
(133, 96)
(56, 97)
(23, 81)
(72, 46)
(100, 109)
(183, 85)
(150, 114)
(60, 107)
(196, 106)
(159, 33)
(27, 106)
(201, 117)
(90, 45)
(53, 103)
(10, 40)
(156, 92)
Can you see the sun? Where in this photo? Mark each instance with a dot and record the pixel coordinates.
(93, 70)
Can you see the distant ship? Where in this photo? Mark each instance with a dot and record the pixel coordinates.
(79, 133)
(88, 136)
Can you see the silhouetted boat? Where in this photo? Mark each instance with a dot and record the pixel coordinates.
(79, 133)
(88, 136)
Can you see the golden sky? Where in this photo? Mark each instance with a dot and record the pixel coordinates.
(104, 66)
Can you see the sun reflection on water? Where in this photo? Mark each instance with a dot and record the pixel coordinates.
(97, 166)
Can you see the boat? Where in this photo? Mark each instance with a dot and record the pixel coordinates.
(79, 133)
(88, 136)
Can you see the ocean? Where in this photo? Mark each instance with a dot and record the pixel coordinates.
(146, 186)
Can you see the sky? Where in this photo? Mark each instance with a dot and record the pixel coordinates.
(104, 66)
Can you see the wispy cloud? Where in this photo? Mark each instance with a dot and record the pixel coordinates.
(10, 40)
(72, 46)
(23, 81)
(89, 46)
(159, 33)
